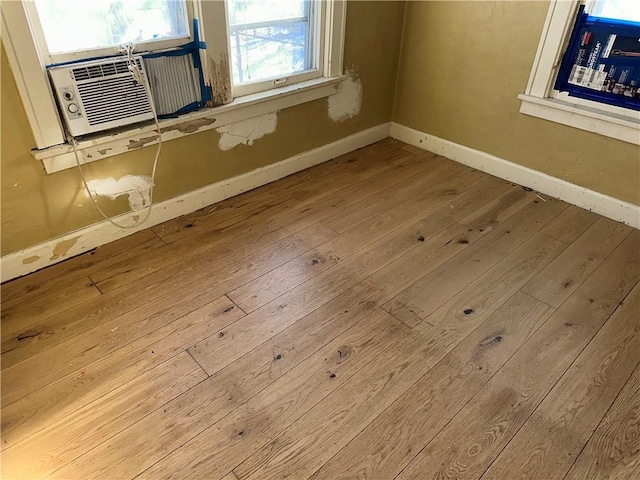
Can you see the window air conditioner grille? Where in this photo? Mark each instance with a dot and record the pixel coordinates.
(113, 99)
(101, 70)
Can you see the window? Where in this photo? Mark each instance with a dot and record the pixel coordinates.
(101, 26)
(542, 100)
(243, 47)
(272, 42)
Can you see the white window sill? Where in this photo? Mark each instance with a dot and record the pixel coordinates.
(97, 147)
(609, 124)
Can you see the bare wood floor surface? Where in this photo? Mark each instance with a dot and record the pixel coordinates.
(388, 314)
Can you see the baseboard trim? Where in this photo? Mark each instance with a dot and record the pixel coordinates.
(58, 249)
(555, 187)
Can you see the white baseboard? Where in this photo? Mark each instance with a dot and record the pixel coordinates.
(554, 187)
(53, 251)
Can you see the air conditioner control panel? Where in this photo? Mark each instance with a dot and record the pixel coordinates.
(70, 103)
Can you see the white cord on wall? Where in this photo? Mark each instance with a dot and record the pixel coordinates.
(138, 77)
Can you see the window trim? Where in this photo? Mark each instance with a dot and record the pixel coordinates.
(541, 100)
(42, 113)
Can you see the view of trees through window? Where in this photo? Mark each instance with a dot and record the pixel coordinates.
(102, 23)
(270, 38)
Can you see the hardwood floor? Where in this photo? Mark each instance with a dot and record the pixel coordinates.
(389, 314)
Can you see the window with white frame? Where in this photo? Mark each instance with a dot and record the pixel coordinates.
(542, 100)
(100, 27)
(246, 46)
(273, 42)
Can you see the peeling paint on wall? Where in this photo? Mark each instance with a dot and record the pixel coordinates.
(61, 249)
(220, 81)
(347, 102)
(190, 126)
(31, 259)
(135, 144)
(137, 187)
(246, 131)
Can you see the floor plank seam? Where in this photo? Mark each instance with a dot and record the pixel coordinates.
(197, 363)
(406, 324)
(95, 285)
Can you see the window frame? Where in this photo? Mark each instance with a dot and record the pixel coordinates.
(28, 66)
(541, 100)
(248, 88)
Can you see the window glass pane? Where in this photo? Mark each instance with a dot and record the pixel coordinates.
(71, 25)
(270, 38)
(618, 9)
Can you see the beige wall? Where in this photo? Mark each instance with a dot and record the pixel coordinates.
(37, 207)
(462, 65)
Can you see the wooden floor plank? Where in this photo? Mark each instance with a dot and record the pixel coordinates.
(20, 320)
(497, 211)
(294, 393)
(217, 352)
(187, 415)
(549, 442)
(279, 405)
(388, 443)
(91, 345)
(573, 222)
(275, 209)
(577, 262)
(349, 168)
(220, 243)
(33, 285)
(468, 445)
(62, 442)
(420, 299)
(286, 277)
(613, 452)
(389, 198)
(198, 280)
(62, 398)
(313, 440)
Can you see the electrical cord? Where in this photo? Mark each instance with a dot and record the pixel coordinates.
(139, 78)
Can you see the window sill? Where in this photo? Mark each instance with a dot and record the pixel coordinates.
(91, 149)
(621, 127)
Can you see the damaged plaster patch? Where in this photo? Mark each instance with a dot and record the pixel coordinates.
(246, 131)
(31, 259)
(347, 102)
(137, 187)
(61, 249)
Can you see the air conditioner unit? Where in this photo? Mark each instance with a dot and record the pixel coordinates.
(98, 95)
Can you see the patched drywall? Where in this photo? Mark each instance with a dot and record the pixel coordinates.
(347, 102)
(246, 131)
(136, 187)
